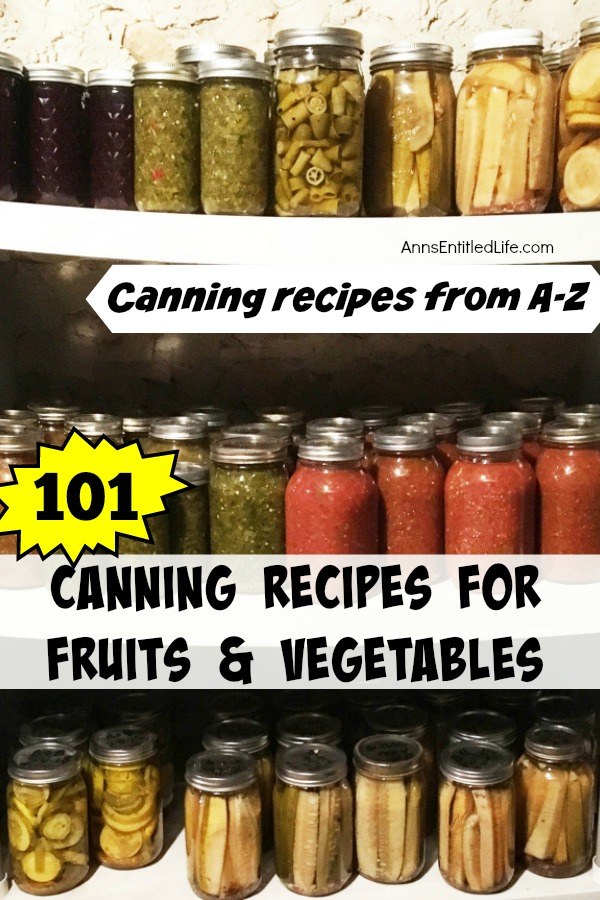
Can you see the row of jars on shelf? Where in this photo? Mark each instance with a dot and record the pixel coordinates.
(220, 132)
(238, 800)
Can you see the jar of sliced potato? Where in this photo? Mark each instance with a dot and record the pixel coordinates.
(149, 711)
(126, 803)
(505, 126)
(579, 125)
(390, 808)
(319, 122)
(476, 827)
(555, 802)
(313, 821)
(223, 825)
(308, 728)
(47, 819)
(252, 737)
(409, 131)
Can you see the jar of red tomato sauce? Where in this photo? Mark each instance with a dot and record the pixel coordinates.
(411, 490)
(548, 408)
(330, 501)
(446, 434)
(568, 473)
(527, 424)
(490, 495)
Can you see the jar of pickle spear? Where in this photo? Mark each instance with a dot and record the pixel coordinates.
(308, 728)
(390, 808)
(409, 131)
(150, 711)
(318, 122)
(189, 530)
(166, 138)
(223, 825)
(47, 819)
(505, 126)
(252, 737)
(126, 802)
(313, 820)
(476, 827)
(186, 434)
(555, 802)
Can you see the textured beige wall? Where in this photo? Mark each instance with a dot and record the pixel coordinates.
(100, 32)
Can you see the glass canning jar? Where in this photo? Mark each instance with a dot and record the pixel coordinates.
(149, 711)
(476, 837)
(95, 426)
(25, 417)
(331, 503)
(318, 122)
(505, 126)
(215, 417)
(237, 704)
(166, 138)
(52, 416)
(490, 495)
(373, 418)
(126, 809)
(568, 473)
(69, 728)
(551, 60)
(389, 820)
(234, 97)
(12, 116)
(189, 527)
(252, 737)
(110, 115)
(564, 709)
(527, 424)
(308, 728)
(288, 416)
(18, 447)
(57, 145)
(223, 825)
(555, 802)
(136, 427)
(410, 480)
(335, 426)
(313, 822)
(466, 413)
(247, 496)
(484, 725)
(47, 819)
(445, 430)
(409, 131)
(186, 434)
(547, 408)
(257, 432)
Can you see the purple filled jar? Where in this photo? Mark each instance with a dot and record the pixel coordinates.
(11, 136)
(57, 136)
(110, 116)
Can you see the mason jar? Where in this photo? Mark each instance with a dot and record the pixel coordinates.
(215, 417)
(313, 821)
(409, 131)
(476, 835)
(445, 429)
(186, 434)
(47, 811)
(389, 820)
(52, 416)
(335, 425)
(318, 122)
(247, 496)
(484, 725)
(69, 728)
(25, 417)
(12, 116)
(289, 416)
(237, 704)
(18, 447)
(556, 798)
(466, 413)
(564, 709)
(547, 408)
(126, 804)
(505, 126)
(166, 138)
(95, 426)
(256, 432)
(150, 711)
(300, 728)
(527, 424)
(110, 114)
(136, 427)
(189, 526)
(223, 825)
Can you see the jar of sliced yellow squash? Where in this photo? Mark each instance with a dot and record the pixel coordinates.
(126, 803)
(47, 819)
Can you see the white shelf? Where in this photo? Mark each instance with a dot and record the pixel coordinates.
(185, 239)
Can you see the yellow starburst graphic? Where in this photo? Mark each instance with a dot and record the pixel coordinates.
(81, 497)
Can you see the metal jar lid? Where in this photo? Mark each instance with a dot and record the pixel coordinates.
(412, 52)
(342, 38)
(555, 743)
(179, 428)
(19, 438)
(386, 756)
(556, 434)
(64, 728)
(44, 763)
(589, 29)
(508, 38)
(489, 440)
(465, 412)
(335, 425)
(547, 407)
(139, 707)
(54, 410)
(440, 423)
(18, 417)
(483, 725)
(397, 718)
(245, 735)
(582, 411)
(237, 704)
(272, 431)
(248, 451)
(214, 416)
(311, 765)
(296, 701)
(122, 745)
(96, 425)
(404, 438)
(12, 64)
(191, 54)
(568, 55)
(163, 71)
(192, 473)
(308, 728)
(335, 448)
(359, 702)
(476, 763)
(113, 77)
(138, 423)
(54, 73)
(282, 415)
(527, 423)
(376, 416)
(561, 709)
(221, 771)
(233, 67)
(551, 59)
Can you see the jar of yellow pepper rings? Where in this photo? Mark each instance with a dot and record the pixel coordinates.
(47, 819)
(126, 803)
(318, 122)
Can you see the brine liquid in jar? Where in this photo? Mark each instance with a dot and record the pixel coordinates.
(110, 113)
